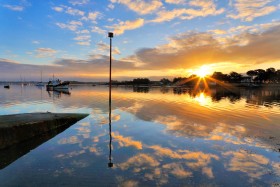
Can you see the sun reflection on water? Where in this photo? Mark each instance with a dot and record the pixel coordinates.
(202, 99)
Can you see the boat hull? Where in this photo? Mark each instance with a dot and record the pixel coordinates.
(62, 86)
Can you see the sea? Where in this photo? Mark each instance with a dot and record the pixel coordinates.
(147, 136)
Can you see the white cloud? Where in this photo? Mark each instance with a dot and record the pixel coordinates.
(98, 30)
(74, 12)
(85, 31)
(57, 9)
(35, 42)
(72, 25)
(141, 7)
(82, 37)
(111, 6)
(127, 25)
(248, 10)
(79, 2)
(14, 7)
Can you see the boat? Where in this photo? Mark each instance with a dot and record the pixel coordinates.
(56, 84)
(7, 86)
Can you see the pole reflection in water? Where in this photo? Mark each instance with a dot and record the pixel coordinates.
(110, 164)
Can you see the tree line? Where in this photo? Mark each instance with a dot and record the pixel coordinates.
(270, 75)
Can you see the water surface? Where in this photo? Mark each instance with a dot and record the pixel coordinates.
(160, 136)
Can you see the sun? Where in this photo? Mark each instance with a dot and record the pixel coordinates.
(203, 71)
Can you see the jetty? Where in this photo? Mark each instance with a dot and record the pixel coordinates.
(17, 128)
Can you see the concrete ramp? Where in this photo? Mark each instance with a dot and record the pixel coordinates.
(17, 128)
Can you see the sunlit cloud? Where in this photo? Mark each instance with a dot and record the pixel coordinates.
(247, 10)
(141, 7)
(70, 140)
(177, 170)
(175, 1)
(207, 8)
(122, 26)
(93, 16)
(126, 141)
(250, 164)
(72, 25)
(45, 52)
(139, 161)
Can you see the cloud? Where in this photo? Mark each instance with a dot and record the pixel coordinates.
(85, 43)
(70, 140)
(191, 49)
(141, 7)
(104, 48)
(72, 25)
(79, 2)
(140, 161)
(253, 165)
(181, 52)
(57, 9)
(35, 42)
(175, 1)
(126, 141)
(111, 6)
(14, 7)
(45, 52)
(98, 30)
(93, 15)
(82, 37)
(177, 170)
(207, 8)
(85, 31)
(127, 25)
(248, 10)
(74, 12)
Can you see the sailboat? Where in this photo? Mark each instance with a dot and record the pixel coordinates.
(40, 83)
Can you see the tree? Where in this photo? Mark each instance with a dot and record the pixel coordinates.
(235, 77)
(165, 81)
(260, 75)
(270, 75)
(141, 81)
(251, 73)
(220, 76)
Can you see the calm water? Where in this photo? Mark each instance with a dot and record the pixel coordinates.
(160, 137)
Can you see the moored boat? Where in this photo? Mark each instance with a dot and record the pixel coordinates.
(7, 86)
(56, 84)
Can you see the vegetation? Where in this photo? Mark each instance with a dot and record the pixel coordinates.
(269, 75)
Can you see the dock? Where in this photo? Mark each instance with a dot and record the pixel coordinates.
(17, 128)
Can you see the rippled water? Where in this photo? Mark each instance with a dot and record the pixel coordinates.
(160, 136)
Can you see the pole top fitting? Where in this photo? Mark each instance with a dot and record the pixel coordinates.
(110, 34)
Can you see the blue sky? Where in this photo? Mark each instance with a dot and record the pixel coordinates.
(153, 38)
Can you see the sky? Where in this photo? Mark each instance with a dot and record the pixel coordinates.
(152, 38)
